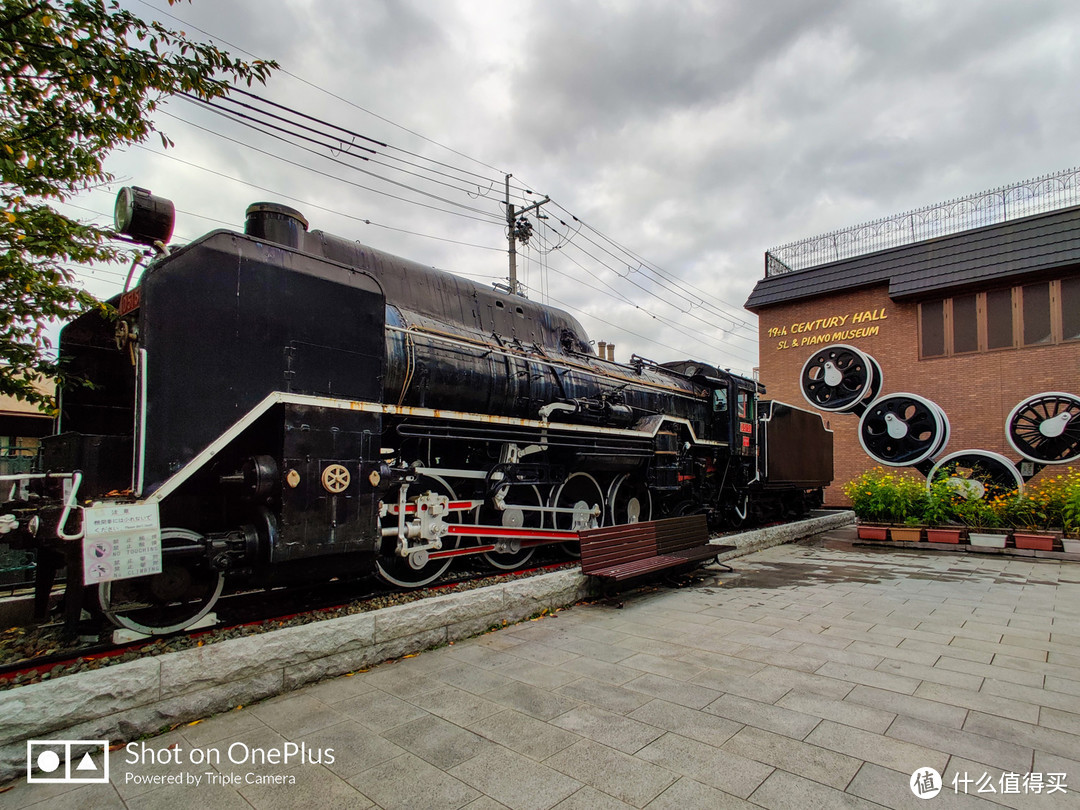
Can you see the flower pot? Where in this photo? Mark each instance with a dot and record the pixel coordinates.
(1071, 545)
(906, 534)
(1034, 540)
(943, 535)
(987, 539)
(868, 532)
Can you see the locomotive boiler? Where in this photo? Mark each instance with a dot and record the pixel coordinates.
(284, 405)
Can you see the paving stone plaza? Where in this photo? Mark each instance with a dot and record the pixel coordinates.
(818, 675)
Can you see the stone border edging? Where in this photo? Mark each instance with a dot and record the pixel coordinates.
(758, 539)
(139, 697)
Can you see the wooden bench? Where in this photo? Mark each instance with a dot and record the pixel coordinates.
(632, 550)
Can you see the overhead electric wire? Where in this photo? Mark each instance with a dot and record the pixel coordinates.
(700, 294)
(621, 296)
(659, 278)
(178, 210)
(649, 292)
(337, 145)
(679, 285)
(492, 218)
(247, 123)
(489, 180)
(682, 286)
(623, 299)
(309, 204)
(353, 134)
(339, 98)
(622, 329)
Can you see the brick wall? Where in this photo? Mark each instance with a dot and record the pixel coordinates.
(977, 391)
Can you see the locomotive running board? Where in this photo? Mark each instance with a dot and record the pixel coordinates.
(528, 538)
(281, 398)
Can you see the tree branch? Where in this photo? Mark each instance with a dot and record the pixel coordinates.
(16, 17)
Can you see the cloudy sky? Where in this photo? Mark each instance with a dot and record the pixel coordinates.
(686, 136)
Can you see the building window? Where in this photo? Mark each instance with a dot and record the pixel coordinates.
(1036, 299)
(999, 319)
(932, 328)
(1070, 309)
(1036, 314)
(965, 324)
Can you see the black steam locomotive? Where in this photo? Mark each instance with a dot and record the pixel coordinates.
(284, 405)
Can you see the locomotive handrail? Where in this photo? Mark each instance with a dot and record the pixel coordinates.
(33, 476)
(15, 478)
(76, 481)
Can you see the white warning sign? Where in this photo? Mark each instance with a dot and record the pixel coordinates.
(120, 542)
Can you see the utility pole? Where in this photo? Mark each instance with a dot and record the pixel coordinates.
(512, 232)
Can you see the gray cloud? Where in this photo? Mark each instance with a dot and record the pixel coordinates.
(697, 134)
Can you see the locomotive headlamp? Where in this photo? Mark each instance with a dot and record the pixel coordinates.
(144, 218)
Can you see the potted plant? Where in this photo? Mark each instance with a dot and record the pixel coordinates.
(881, 499)
(910, 507)
(911, 532)
(1027, 515)
(940, 512)
(1070, 511)
(1060, 498)
(983, 522)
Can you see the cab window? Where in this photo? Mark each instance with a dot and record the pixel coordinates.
(746, 405)
(719, 400)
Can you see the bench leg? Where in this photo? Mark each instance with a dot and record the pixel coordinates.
(725, 566)
(608, 594)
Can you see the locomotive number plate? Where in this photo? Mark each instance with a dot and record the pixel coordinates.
(120, 542)
(746, 427)
(129, 301)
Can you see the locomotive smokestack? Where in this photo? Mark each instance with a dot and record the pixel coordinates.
(611, 352)
(276, 223)
(601, 349)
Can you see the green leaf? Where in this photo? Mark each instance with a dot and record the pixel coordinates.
(79, 79)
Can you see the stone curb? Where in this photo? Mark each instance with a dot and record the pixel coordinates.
(125, 701)
(758, 539)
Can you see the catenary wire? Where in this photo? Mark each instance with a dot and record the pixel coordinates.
(491, 218)
(660, 273)
(338, 145)
(316, 206)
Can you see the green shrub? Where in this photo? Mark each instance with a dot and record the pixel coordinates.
(887, 497)
(1021, 511)
(977, 513)
(942, 501)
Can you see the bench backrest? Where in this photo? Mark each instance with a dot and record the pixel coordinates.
(678, 534)
(629, 542)
(613, 545)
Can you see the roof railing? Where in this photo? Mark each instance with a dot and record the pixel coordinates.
(1036, 196)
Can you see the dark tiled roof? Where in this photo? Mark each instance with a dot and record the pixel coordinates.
(978, 257)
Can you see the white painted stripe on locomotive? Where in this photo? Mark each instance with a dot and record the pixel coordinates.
(281, 397)
(139, 471)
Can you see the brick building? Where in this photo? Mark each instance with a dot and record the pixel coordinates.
(976, 320)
